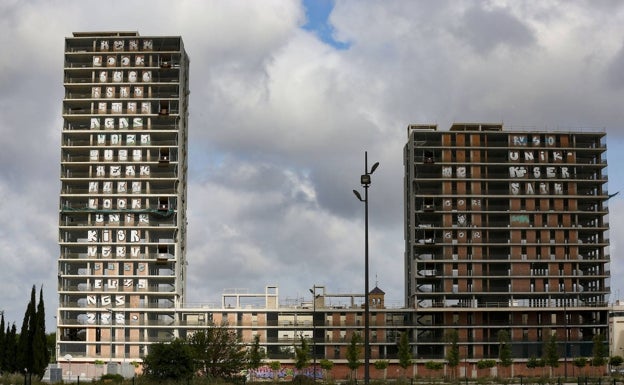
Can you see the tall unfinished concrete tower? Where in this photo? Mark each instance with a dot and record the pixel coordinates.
(122, 212)
(506, 230)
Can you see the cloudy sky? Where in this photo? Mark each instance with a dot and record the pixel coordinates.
(285, 98)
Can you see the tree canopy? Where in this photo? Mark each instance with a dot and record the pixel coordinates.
(169, 361)
(452, 353)
(405, 353)
(551, 355)
(504, 351)
(599, 350)
(218, 351)
(256, 354)
(302, 354)
(353, 352)
(27, 351)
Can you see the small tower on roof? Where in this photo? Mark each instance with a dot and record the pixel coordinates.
(376, 298)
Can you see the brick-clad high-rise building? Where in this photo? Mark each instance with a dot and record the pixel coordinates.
(506, 230)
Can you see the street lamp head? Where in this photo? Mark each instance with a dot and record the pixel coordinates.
(374, 168)
(357, 195)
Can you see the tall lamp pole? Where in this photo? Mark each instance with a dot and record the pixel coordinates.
(365, 180)
(565, 321)
(314, 297)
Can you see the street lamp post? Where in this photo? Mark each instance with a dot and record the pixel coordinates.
(565, 321)
(314, 297)
(466, 363)
(365, 180)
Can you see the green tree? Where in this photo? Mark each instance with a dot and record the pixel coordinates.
(218, 351)
(327, 366)
(41, 354)
(405, 352)
(25, 352)
(302, 354)
(10, 358)
(275, 367)
(599, 351)
(541, 364)
(532, 364)
(169, 361)
(255, 355)
(353, 354)
(616, 360)
(2, 344)
(504, 349)
(486, 364)
(452, 353)
(551, 355)
(51, 344)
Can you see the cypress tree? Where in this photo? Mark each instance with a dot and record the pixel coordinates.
(25, 342)
(41, 355)
(2, 345)
(405, 352)
(11, 350)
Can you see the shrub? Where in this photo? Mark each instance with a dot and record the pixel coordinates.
(114, 377)
(485, 364)
(301, 379)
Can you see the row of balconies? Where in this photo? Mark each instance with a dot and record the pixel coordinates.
(127, 141)
(130, 108)
(485, 259)
(85, 266)
(429, 206)
(141, 237)
(467, 240)
(163, 155)
(430, 291)
(571, 171)
(511, 190)
(147, 289)
(111, 278)
(147, 172)
(80, 45)
(105, 186)
(140, 257)
(433, 303)
(520, 272)
(152, 224)
(126, 203)
(79, 92)
(77, 126)
(121, 76)
(163, 65)
(544, 273)
(431, 146)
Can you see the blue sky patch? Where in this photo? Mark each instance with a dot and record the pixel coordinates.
(317, 14)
